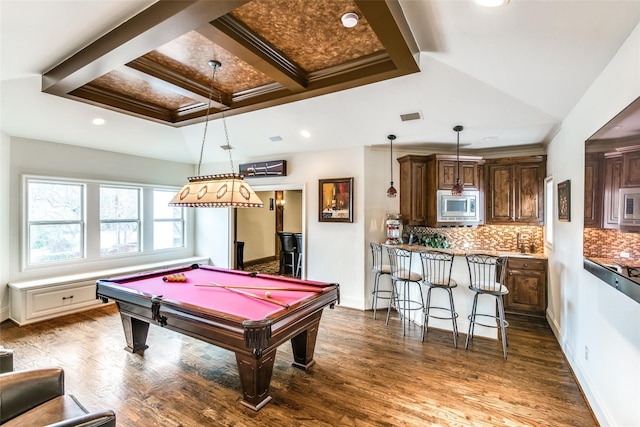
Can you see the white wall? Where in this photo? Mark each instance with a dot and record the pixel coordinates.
(584, 311)
(68, 161)
(5, 164)
(333, 251)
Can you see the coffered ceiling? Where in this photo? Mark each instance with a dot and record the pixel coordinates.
(156, 64)
(509, 75)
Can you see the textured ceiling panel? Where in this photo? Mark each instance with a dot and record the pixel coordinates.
(189, 56)
(310, 32)
(148, 92)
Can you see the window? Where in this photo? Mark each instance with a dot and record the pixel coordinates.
(548, 212)
(119, 220)
(69, 223)
(168, 222)
(55, 221)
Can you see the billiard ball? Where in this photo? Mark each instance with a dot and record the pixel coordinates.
(267, 294)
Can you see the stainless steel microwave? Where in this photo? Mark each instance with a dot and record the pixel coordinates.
(629, 214)
(464, 208)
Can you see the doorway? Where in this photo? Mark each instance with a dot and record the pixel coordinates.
(255, 230)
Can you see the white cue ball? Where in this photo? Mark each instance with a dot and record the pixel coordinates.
(267, 294)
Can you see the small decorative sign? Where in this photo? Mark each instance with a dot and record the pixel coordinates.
(263, 169)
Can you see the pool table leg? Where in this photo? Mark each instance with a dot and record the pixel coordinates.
(255, 376)
(304, 345)
(135, 332)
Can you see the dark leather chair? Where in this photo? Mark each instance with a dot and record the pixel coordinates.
(36, 398)
(287, 252)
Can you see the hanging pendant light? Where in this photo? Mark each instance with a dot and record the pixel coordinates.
(457, 188)
(216, 191)
(391, 192)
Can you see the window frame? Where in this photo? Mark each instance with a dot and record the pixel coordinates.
(180, 220)
(27, 223)
(549, 203)
(92, 259)
(138, 221)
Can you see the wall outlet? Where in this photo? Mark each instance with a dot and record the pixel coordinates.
(624, 254)
(586, 353)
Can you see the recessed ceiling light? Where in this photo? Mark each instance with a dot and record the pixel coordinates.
(490, 138)
(350, 20)
(98, 121)
(492, 3)
(305, 133)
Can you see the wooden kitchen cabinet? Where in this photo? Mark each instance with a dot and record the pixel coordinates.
(515, 190)
(593, 186)
(447, 172)
(631, 168)
(612, 181)
(413, 189)
(526, 279)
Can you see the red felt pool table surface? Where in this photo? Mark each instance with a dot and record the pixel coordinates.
(192, 292)
(243, 320)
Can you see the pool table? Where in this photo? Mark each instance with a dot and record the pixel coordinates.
(250, 314)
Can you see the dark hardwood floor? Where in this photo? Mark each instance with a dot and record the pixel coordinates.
(366, 374)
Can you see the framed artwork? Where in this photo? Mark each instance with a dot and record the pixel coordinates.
(564, 201)
(335, 200)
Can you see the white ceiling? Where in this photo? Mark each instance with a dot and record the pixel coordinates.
(509, 75)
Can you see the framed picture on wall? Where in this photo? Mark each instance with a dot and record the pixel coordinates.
(564, 201)
(335, 200)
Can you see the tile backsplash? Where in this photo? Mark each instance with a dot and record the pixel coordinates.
(600, 243)
(488, 237)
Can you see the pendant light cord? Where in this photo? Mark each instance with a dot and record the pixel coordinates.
(214, 65)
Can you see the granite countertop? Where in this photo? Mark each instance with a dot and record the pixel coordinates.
(627, 269)
(460, 252)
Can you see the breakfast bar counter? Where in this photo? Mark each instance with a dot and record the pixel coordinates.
(462, 295)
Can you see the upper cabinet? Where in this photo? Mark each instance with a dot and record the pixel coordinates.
(631, 167)
(605, 173)
(413, 189)
(515, 190)
(422, 176)
(593, 189)
(448, 170)
(612, 171)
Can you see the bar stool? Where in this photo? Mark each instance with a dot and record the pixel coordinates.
(298, 237)
(436, 272)
(400, 262)
(379, 268)
(287, 252)
(486, 277)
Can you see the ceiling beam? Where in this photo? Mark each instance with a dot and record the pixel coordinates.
(158, 24)
(233, 36)
(397, 39)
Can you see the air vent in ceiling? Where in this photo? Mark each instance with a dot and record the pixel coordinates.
(226, 147)
(411, 116)
(275, 138)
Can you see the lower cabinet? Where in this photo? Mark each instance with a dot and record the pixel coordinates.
(526, 279)
(32, 304)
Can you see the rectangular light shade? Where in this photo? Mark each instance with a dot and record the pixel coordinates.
(217, 191)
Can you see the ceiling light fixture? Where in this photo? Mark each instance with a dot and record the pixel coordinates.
(98, 121)
(350, 20)
(391, 192)
(216, 191)
(492, 3)
(457, 188)
(305, 133)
